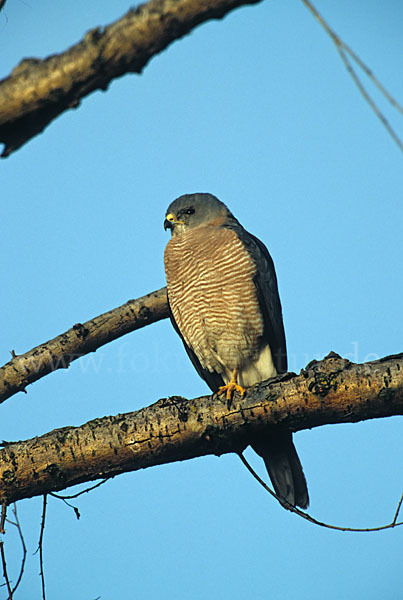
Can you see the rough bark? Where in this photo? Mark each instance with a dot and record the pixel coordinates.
(82, 338)
(330, 391)
(37, 91)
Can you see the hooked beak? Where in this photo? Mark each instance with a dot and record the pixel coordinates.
(170, 222)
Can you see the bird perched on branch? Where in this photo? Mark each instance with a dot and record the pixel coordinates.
(224, 304)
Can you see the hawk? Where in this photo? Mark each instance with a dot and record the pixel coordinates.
(224, 304)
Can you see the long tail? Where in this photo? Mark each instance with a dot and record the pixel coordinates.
(284, 467)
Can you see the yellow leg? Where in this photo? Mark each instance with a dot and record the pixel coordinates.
(232, 386)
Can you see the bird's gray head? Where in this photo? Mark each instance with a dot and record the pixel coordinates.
(194, 210)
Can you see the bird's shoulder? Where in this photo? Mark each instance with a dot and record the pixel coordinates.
(265, 281)
(254, 246)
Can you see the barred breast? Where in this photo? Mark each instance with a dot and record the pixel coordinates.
(213, 298)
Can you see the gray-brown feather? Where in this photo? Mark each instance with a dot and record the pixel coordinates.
(213, 299)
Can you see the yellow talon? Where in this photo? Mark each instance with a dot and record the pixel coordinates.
(231, 387)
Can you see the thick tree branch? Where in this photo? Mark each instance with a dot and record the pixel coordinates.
(37, 91)
(82, 338)
(330, 391)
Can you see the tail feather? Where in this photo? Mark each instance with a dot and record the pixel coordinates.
(283, 465)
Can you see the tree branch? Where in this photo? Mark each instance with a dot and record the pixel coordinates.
(330, 391)
(393, 523)
(37, 91)
(81, 339)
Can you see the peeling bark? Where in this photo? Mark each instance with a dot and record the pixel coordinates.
(329, 391)
(38, 90)
(82, 338)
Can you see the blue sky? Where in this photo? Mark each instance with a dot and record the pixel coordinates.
(259, 110)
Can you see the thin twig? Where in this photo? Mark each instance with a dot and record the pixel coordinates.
(3, 517)
(40, 545)
(24, 548)
(394, 522)
(89, 489)
(372, 77)
(76, 511)
(344, 49)
(64, 498)
(5, 575)
(368, 98)
(308, 517)
(339, 42)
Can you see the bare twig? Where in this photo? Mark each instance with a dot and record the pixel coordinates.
(3, 516)
(5, 575)
(64, 498)
(304, 515)
(17, 524)
(88, 489)
(368, 98)
(75, 509)
(343, 50)
(40, 545)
